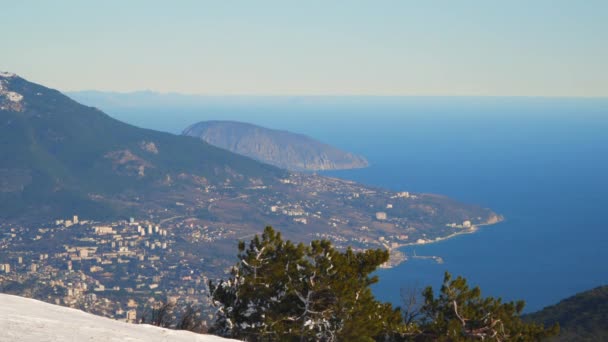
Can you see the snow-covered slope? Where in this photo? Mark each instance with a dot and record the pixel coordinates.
(29, 320)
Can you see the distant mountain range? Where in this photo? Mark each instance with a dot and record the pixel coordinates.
(57, 155)
(582, 317)
(280, 148)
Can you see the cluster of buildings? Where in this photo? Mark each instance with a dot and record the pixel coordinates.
(116, 268)
(466, 224)
(112, 268)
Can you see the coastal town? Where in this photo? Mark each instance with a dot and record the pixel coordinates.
(111, 268)
(119, 267)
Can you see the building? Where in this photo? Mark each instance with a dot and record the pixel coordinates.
(131, 316)
(403, 194)
(300, 220)
(380, 216)
(102, 230)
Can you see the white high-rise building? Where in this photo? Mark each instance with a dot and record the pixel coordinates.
(380, 216)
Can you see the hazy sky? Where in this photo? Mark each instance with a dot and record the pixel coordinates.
(531, 47)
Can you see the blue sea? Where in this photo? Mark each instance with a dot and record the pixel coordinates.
(540, 162)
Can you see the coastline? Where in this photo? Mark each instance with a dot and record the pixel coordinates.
(397, 256)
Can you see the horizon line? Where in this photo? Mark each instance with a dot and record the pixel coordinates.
(167, 93)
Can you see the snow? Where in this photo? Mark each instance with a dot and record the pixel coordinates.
(4, 90)
(29, 320)
(15, 97)
(7, 74)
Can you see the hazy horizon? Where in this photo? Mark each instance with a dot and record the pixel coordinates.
(172, 93)
(396, 141)
(388, 48)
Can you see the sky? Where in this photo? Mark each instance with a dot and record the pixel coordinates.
(328, 47)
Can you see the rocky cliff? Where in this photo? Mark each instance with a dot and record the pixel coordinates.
(280, 148)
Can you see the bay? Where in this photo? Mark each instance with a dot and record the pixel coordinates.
(540, 162)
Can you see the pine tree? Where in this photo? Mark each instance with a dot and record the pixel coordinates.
(460, 313)
(282, 291)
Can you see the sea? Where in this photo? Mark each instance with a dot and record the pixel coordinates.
(542, 163)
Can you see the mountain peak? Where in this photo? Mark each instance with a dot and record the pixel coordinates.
(4, 74)
(54, 147)
(284, 149)
(9, 99)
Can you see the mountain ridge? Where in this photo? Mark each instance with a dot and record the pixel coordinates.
(284, 149)
(581, 317)
(52, 147)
